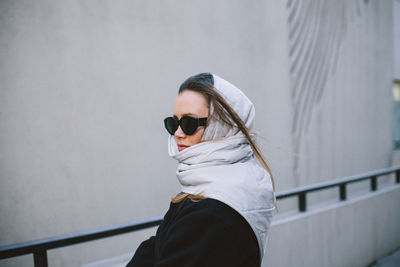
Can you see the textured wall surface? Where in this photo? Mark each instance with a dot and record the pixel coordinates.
(353, 233)
(396, 39)
(84, 88)
(341, 86)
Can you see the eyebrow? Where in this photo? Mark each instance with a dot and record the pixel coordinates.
(188, 114)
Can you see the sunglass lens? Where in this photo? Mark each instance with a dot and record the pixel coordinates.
(189, 125)
(171, 125)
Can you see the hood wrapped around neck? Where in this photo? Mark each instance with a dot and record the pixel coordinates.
(223, 165)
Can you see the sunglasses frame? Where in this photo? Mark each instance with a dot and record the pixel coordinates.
(199, 122)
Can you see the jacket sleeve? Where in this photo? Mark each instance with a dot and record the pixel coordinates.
(144, 255)
(205, 238)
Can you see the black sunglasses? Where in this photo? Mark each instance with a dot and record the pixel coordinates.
(188, 124)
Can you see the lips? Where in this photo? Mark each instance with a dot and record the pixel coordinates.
(182, 147)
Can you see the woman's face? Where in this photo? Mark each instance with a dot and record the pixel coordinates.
(193, 104)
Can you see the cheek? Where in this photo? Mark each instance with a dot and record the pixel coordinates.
(196, 138)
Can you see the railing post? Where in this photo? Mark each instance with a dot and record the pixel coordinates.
(302, 202)
(342, 191)
(398, 176)
(40, 258)
(373, 183)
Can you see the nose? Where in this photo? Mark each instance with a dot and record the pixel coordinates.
(179, 133)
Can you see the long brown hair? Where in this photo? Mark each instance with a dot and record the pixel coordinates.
(204, 84)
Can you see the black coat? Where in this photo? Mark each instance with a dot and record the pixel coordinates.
(204, 233)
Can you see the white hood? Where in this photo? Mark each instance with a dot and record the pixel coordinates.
(226, 169)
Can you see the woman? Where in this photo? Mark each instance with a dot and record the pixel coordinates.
(224, 210)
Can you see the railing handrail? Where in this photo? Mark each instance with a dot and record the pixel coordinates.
(336, 182)
(76, 238)
(39, 247)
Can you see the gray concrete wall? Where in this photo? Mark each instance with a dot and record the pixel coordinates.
(396, 39)
(352, 233)
(84, 88)
(341, 82)
(341, 90)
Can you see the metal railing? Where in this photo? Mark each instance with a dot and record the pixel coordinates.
(39, 248)
(301, 192)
